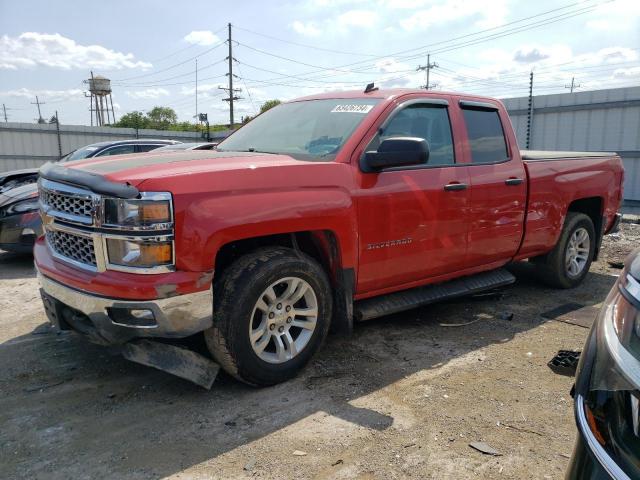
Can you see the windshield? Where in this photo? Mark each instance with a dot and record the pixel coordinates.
(79, 154)
(307, 130)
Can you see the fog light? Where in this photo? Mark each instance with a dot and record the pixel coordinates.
(132, 317)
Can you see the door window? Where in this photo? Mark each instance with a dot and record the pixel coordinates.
(147, 147)
(425, 121)
(117, 150)
(486, 136)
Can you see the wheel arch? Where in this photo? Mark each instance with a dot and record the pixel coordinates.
(323, 246)
(593, 208)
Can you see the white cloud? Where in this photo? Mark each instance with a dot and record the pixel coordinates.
(598, 24)
(627, 73)
(456, 10)
(202, 37)
(32, 49)
(44, 95)
(341, 23)
(357, 18)
(149, 93)
(308, 29)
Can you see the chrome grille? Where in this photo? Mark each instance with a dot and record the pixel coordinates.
(73, 247)
(69, 204)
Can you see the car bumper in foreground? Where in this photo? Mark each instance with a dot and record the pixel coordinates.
(110, 321)
(589, 460)
(18, 232)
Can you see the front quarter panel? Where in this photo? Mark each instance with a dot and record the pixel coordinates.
(212, 209)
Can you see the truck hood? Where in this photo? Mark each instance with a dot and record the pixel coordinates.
(135, 169)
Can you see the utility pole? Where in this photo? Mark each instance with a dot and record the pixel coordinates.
(5, 113)
(38, 103)
(530, 111)
(230, 89)
(573, 85)
(58, 135)
(427, 68)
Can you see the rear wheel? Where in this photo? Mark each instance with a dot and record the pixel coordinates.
(568, 263)
(272, 310)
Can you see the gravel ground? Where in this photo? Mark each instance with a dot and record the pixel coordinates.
(402, 398)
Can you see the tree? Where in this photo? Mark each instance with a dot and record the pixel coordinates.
(162, 117)
(269, 104)
(133, 120)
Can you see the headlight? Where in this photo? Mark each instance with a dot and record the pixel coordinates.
(23, 206)
(153, 211)
(610, 406)
(139, 253)
(129, 245)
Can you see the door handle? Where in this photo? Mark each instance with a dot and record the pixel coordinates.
(513, 181)
(455, 186)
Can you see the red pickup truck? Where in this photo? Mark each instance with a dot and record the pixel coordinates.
(321, 211)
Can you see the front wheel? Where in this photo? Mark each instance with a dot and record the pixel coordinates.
(568, 263)
(272, 310)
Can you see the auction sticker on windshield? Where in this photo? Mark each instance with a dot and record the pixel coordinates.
(351, 108)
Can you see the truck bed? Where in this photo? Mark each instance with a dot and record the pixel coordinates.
(535, 155)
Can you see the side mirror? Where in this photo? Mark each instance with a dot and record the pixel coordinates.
(396, 152)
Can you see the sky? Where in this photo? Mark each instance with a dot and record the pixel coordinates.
(283, 50)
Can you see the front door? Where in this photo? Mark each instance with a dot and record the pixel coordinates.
(413, 220)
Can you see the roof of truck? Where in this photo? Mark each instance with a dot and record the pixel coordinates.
(387, 93)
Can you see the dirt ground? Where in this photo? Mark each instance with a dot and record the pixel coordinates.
(402, 398)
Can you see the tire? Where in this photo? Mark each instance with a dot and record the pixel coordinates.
(553, 267)
(239, 297)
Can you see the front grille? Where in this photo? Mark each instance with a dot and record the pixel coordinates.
(73, 247)
(69, 204)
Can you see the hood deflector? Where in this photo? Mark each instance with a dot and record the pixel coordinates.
(94, 182)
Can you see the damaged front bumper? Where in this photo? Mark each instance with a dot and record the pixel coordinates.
(110, 321)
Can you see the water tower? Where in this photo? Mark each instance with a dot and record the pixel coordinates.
(101, 101)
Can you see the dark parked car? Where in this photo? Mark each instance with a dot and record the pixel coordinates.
(19, 219)
(190, 146)
(607, 389)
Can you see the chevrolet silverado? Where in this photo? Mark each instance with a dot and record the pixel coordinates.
(322, 211)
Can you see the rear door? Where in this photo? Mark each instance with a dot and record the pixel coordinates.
(498, 185)
(413, 220)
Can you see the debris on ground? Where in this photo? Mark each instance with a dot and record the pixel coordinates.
(506, 316)
(249, 466)
(458, 324)
(299, 453)
(485, 448)
(565, 362)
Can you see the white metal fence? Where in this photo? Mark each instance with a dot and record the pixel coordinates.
(24, 145)
(599, 120)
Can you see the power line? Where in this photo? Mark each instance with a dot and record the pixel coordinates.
(171, 66)
(255, 110)
(341, 52)
(477, 40)
(147, 85)
(156, 82)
